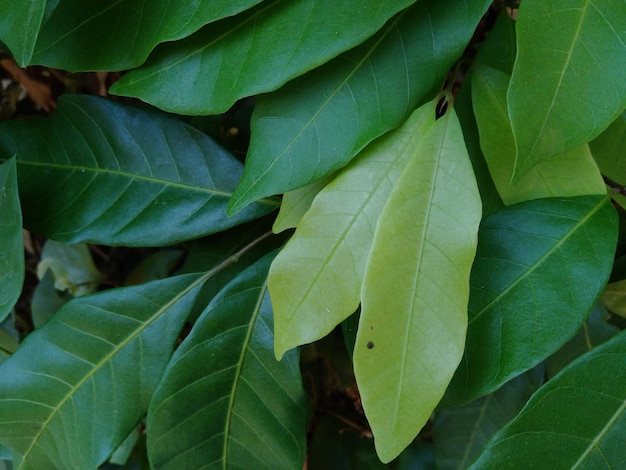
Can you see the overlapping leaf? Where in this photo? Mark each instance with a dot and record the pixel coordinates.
(252, 53)
(251, 414)
(559, 429)
(19, 27)
(566, 88)
(572, 173)
(11, 244)
(539, 268)
(416, 288)
(317, 123)
(73, 36)
(315, 281)
(608, 151)
(107, 173)
(77, 386)
(460, 433)
(296, 203)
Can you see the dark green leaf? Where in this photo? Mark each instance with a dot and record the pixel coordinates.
(539, 269)
(97, 171)
(416, 288)
(317, 123)
(252, 411)
(566, 88)
(119, 35)
(47, 300)
(76, 387)
(576, 420)
(460, 433)
(11, 242)
(19, 26)
(608, 151)
(254, 52)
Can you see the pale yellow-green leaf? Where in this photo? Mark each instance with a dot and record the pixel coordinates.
(572, 173)
(315, 281)
(415, 293)
(295, 204)
(614, 298)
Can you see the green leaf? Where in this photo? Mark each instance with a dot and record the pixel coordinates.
(8, 345)
(572, 173)
(608, 151)
(568, 87)
(416, 288)
(119, 35)
(614, 298)
(315, 281)
(76, 387)
(594, 331)
(72, 266)
(539, 269)
(11, 241)
(253, 413)
(252, 53)
(576, 420)
(460, 433)
(47, 300)
(19, 27)
(101, 172)
(315, 124)
(296, 203)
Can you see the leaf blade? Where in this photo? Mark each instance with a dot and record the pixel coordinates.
(411, 321)
(19, 27)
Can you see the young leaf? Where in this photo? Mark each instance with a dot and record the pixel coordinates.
(75, 30)
(101, 172)
(76, 387)
(566, 88)
(460, 433)
(19, 27)
(317, 123)
(559, 429)
(416, 288)
(315, 281)
(11, 242)
(572, 173)
(253, 414)
(529, 294)
(252, 53)
(295, 204)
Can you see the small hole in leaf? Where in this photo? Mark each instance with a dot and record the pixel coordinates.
(370, 345)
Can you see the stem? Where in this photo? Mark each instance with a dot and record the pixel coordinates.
(615, 186)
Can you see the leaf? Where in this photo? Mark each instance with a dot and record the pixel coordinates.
(72, 36)
(548, 434)
(72, 266)
(460, 433)
(594, 331)
(19, 27)
(416, 288)
(317, 123)
(296, 203)
(607, 149)
(130, 176)
(158, 265)
(568, 87)
(614, 298)
(11, 241)
(76, 387)
(252, 53)
(315, 281)
(572, 173)
(530, 294)
(253, 413)
(47, 300)
(8, 345)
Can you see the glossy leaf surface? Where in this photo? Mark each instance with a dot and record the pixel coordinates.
(96, 171)
(416, 288)
(19, 27)
(75, 29)
(529, 295)
(77, 386)
(566, 88)
(252, 413)
(11, 244)
(548, 434)
(315, 281)
(252, 53)
(460, 433)
(317, 123)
